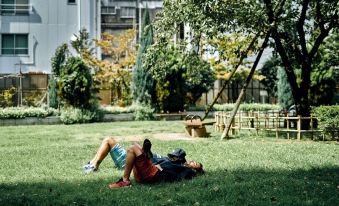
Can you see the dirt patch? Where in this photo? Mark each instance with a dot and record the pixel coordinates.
(159, 136)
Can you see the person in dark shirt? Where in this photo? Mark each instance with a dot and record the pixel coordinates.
(147, 167)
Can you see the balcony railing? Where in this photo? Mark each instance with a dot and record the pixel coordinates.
(15, 9)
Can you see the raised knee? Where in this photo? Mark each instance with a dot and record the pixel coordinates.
(110, 141)
(131, 148)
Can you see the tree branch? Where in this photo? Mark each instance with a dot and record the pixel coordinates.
(269, 10)
(280, 48)
(319, 16)
(300, 28)
(287, 64)
(297, 53)
(323, 34)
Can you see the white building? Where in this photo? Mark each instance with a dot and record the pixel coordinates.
(31, 30)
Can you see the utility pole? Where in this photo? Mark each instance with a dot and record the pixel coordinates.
(20, 84)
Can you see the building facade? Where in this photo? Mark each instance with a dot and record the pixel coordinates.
(31, 30)
(119, 15)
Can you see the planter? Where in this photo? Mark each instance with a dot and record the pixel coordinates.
(196, 131)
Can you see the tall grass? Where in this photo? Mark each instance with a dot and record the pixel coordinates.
(41, 165)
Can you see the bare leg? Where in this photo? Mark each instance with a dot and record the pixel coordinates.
(132, 152)
(107, 144)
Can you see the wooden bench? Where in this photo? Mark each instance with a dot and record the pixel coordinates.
(170, 116)
(195, 127)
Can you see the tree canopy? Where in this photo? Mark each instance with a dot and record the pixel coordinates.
(298, 28)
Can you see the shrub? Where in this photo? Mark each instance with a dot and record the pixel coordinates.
(22, 112)
(76, 85)
(328, 119)
(34, 99)
(247, 107)
(180, 77)
(53, 92)
(117, 109)
(142, 112)
(72, 115)
(6, 97)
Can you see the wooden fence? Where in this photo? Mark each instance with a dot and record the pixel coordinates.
(267, 121)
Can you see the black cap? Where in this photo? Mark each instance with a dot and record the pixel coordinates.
(179, 153)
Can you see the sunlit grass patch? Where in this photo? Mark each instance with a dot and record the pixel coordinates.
(41, 165)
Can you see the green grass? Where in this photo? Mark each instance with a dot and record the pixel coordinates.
(41, 165)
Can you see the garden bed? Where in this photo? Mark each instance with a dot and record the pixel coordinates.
(107, 118)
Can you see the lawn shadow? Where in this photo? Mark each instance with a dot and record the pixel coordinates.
(318, 186)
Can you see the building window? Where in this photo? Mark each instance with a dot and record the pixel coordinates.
(14, 7)
(108, 10)
(14, 44)
(127, 12)
(72, 1)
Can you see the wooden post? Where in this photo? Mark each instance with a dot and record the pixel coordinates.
(276, 126)
(216, 118)
(224, 121)
(288, 126)
(311, 127)
(232, 126)
(239, 121)
(257, 121)
(299, 127)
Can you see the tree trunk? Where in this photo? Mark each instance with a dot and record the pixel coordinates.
(243, 90)
(304, 108)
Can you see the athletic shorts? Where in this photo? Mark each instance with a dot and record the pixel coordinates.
(144, 170)
(118, 155)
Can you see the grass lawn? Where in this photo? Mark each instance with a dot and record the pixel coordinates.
(41, 165)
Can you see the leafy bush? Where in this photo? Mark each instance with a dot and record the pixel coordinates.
(22, 112)
(6, 97)
(34, 99)
(76, 85)
(53, 92)
(180, 77)
(328, 119)
(247, 107)
(72, 115)
(198, 75)
(142, 112)
(117, 109)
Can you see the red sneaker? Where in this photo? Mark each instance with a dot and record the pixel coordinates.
(120, 183)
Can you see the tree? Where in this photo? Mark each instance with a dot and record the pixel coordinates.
(76, 86)
(143, 84)
(72, 77)
(298, 29)
(323, 82)
(322, 88)
(198, 76)
(181, 77)
(114, 71)
(315, 21)
(57, 62)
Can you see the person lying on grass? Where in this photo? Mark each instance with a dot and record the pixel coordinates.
(147, 167)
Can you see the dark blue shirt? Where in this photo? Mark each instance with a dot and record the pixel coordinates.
(172, 171)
